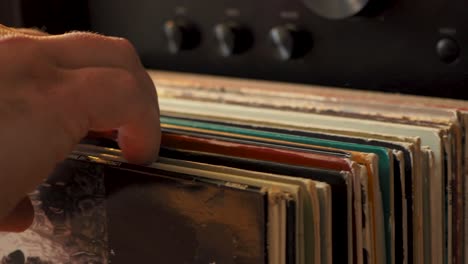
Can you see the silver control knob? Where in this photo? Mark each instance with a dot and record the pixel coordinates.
(336, 9)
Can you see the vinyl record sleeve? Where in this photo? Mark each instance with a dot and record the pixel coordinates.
(403, 165)
(428, 172)
(413, 110)
(462, 109)
(70, 223)
(187, 142)
(320, 193)
(174, 141)
(187, 224)
(277, 252)
(224, 145)
(400, 168)
(366, 159)
(431, 137)
(310, 201)
(341, 191)
(324, 195)
(291, 232)
(385, 158)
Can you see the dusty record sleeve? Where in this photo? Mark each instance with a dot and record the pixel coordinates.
(96, 211)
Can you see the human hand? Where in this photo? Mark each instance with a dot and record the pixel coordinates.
(54, 89)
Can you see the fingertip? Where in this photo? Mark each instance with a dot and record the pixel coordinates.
(140, 146)
(138, 151)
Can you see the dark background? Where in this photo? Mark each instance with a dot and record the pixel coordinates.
(394, 49)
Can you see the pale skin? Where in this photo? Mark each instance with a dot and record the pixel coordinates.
(54, 90)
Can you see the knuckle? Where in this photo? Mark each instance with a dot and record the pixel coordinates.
(29, 61)
(122, 46)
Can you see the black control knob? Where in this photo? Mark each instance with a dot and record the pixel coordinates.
(448, 49)
(232, 38)
(181, 35)
(290, 41)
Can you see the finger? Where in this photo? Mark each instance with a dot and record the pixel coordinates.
(138, 143)
(80, 49)
(114, 98)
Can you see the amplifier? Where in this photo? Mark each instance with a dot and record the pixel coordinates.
(412, 46)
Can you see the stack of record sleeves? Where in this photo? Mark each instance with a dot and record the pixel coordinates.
(258, 172)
